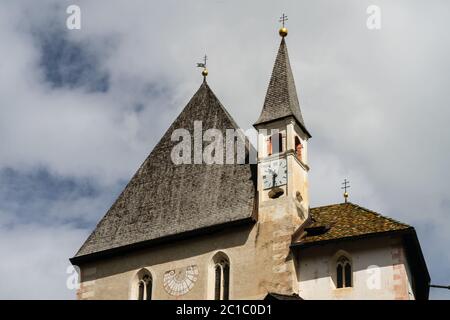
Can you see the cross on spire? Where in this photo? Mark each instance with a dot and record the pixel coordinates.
(283, 19)
(345, 186)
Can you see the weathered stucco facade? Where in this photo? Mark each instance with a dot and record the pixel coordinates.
(254, 259)
(380, 270)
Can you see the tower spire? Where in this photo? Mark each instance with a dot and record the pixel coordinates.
(281, 98)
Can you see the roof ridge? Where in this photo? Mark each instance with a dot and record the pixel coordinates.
(379, 214)
(365, 209)
(327, 205)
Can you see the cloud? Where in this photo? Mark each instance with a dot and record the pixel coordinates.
(80, 110)
(37, 262)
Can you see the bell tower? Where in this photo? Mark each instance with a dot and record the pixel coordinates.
(282, 183)
(282, 146)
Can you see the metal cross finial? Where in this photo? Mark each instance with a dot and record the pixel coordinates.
(346, 185)
(283, 19)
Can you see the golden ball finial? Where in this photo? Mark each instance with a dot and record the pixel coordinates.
(283, 32)
(205, 72)
(346, 196)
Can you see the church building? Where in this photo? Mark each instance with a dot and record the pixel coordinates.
(244, 229)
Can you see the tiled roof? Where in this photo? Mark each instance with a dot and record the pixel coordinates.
(345, 220)
(281, 98)
(164, 199)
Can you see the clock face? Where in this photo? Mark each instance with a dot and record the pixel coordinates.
(180, 281)
(274, 173)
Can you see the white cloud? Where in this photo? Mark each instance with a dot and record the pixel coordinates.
(37, 261)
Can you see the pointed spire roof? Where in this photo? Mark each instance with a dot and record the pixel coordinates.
(281, 97)
(164, 200)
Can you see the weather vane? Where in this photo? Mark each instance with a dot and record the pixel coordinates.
(346, 185)
(203, 65)
(283, 31)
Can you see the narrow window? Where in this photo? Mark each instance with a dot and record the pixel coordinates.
(226, 281)
(275, 144)
(221, 277)
(148, 287)
(280, 143)
(348, 275)
(218, 282)
(141, 290)
(340, 283)
(298, 148)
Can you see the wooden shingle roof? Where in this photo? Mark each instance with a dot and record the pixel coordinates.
(281, 98)
(165, 199)
(345, 220)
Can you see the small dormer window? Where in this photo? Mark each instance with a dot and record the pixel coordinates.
(275, 144)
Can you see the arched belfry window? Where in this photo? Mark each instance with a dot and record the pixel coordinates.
(143, 289)
(221, 277)
(298, 148)
(343, 272)
(275, 144)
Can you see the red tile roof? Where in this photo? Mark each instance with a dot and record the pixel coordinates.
(346, 220)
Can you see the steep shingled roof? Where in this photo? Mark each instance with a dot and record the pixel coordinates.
(164, 199)
(281, 98)
(346, 220)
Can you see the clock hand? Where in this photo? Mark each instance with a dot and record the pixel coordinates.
(273, 171)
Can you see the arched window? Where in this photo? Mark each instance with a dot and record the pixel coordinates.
(298, 148)
(275, 144)
(343, 273)
(144, 285)
(221, 277)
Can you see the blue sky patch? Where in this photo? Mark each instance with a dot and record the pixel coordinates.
(68, 64)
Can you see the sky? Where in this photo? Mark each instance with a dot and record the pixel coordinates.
(80, 110)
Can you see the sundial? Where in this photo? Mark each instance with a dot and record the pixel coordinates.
(180, 281)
